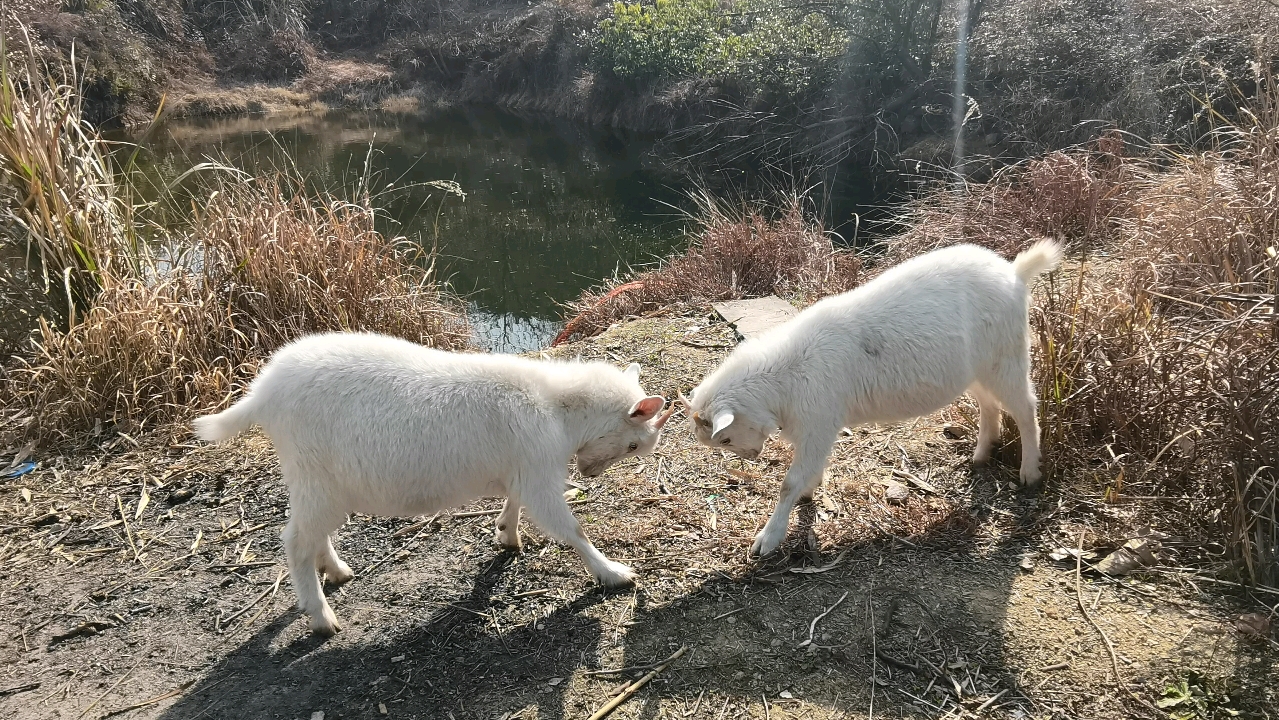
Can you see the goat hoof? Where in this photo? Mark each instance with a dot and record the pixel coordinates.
(340, 575)
(1030, 478)
(326, 624)
(765, 543)
(615, 574)
(509, 541)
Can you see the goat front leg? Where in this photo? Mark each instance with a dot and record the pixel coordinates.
(549, 510)
(802, 479)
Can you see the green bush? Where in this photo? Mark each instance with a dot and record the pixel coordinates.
(780, 51)
(758, 47)
(672, 38)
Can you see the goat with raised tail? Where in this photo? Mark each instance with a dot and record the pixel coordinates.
(373, 424)
(905, 344)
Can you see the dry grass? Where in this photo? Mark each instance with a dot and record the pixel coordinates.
(154, 330)
(1159, 346)
(747, 254)
(57, 182)
(272, 264)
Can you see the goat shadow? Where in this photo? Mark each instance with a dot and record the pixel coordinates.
(879, 622)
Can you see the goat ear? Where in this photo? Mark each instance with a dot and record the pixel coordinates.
(645, 409)
(633, 371)
(722, 421)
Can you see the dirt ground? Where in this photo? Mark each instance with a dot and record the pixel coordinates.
(145, 579)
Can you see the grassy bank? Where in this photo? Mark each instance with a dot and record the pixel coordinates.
(148, 323)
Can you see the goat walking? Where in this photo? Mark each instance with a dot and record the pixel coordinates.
(903, 345)
(373, 424)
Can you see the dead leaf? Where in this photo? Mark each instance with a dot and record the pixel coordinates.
(1254, 625)
(1135, 554)
(824, 568)
(955, 432)
(1062, 553)
(142, 501)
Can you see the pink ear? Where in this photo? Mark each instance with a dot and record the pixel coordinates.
(647, 408)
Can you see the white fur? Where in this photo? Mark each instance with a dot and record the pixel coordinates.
(903, 345)
(373, 424)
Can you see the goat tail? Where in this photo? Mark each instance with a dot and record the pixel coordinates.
(226, 424)
(1038, 259)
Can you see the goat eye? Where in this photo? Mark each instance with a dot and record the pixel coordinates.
(633, 447)
(725, 441)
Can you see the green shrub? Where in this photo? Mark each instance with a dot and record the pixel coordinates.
(759, 47)
(671, 38)
(780, 51)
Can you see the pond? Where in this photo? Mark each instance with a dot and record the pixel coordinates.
(550, 208)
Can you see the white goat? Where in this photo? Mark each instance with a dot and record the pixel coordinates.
(903, 345)
(373, 424)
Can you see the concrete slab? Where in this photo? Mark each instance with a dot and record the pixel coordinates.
(751, 317)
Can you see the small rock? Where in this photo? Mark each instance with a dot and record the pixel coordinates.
(381, 707)
(731, 620)
(1027, 562)
(397, 658)
(955, 432)
(895, 492)
(554, 681)
(317, 715)
(785, 695)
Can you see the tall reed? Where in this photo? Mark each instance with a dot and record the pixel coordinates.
(58, 186)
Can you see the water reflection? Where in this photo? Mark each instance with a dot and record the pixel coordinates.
(551, 208)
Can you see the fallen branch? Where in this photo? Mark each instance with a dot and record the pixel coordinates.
(813, 625)
(222, 622)
(1083, 607)
(19, 689)
(109, 690)
(635, 686)
(991, 701)
(158, 698)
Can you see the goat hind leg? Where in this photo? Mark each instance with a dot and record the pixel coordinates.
(508, 524)
(303, 543)
(988, 423)
(335, 570)
(1015, 391)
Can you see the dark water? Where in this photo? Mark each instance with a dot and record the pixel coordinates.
(550, 209)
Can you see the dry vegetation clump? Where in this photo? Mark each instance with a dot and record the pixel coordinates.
(1075, 195)
(144, 337)
(1158, 348)
(271, 265)
(750, 254)
(58, 193)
